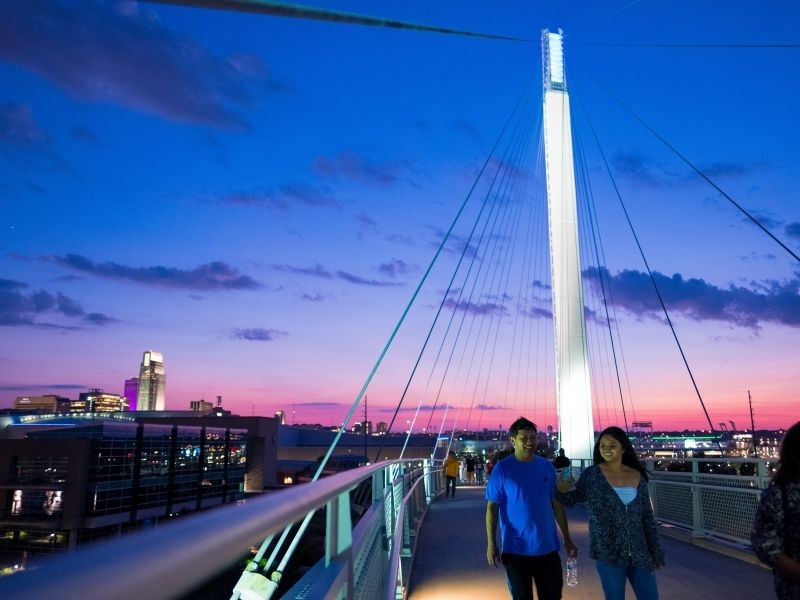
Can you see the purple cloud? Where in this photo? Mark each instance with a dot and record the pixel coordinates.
(772, 302)
(349, 165)
(21, 309)
(282, 198)
(476, 308)
(793, 230)
(113, 52)
(350, 278)
(395, 268)
(257, 334)
(317, 270)
(212, 276)
(643, 170)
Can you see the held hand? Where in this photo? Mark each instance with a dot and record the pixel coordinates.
(491, 555)
(572, 549)
(565, 485)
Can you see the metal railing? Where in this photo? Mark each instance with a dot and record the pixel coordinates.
(369, 561)
(711, 497)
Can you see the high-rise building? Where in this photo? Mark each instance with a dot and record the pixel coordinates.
(131, 392)
(281, 416)
(152, 382)
(96, 400)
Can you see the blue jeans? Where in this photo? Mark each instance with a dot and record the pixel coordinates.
(542, 571)
(613, 578)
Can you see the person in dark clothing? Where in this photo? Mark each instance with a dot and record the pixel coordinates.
(776, 530)
(561, 461)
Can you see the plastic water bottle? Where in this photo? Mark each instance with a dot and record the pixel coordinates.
(572, 571)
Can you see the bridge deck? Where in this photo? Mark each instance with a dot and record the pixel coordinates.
(450, 562)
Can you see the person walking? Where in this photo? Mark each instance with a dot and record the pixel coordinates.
(776, 529)
(520, 494)
(450, 466)
(470, 469)
(623, 537)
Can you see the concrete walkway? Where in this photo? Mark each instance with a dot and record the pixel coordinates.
(450, 561)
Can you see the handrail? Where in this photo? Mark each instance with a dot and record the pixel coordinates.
(166, 561)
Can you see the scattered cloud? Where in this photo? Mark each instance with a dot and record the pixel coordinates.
(257, 334)
(400, 238)
(83, 133)
(17, 125)
(121, 53)
(42, 387)
(537, 313)
(766, 302)
(422, 407)
(357, 167)
(642, 169)
(282, 198)
(476, 308)
(317, 270)
(469, 131)
(366, 223)
(214, 276)
(315, 297)
(763, 217)
(20, 307)
(793, 230)
(349, 277)
(395, 268)
(456, 244)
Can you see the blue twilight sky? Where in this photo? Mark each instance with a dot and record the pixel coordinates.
(257, 198)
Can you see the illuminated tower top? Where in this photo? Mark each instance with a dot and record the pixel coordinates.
(152, 382)
(553, 76)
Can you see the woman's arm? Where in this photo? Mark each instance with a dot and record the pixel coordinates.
(578, 494)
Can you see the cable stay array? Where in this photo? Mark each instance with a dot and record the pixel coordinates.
(485, 353)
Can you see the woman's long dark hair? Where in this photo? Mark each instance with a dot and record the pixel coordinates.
(629, 457)
(789, 464)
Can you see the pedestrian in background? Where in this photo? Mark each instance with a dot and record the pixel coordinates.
(776, 530)
(451, 466)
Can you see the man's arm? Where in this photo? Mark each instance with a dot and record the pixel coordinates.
(561, 521)
(492, 555)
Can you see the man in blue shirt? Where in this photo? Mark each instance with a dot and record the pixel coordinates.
(521, 493)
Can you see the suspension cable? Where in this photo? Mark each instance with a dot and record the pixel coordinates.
(650, 274)
(690, 163)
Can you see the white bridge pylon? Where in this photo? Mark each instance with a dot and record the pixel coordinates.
(573, 389)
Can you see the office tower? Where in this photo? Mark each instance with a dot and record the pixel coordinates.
(152, 382)
(49, 403)
(131, 392)
(281, 416)
(96, 400)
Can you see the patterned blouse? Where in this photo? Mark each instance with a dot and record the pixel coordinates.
(618, 534)
(774, 535)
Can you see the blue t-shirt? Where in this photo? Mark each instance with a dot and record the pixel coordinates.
(524, 493)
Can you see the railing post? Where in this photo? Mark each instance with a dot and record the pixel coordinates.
(339, 537)
(698, 527)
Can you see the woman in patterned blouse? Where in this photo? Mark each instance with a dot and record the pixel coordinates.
(623, 537)
(776, 531)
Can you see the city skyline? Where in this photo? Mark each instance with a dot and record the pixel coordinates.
(259, 209)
